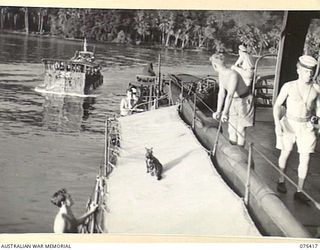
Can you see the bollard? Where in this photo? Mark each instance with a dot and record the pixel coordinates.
(246, 196)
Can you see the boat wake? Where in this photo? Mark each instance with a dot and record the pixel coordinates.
(62, 93)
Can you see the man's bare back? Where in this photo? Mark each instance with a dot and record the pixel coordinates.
(228, 78)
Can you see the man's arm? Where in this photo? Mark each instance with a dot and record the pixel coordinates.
(81, 219)
(221, 95)
(239, 61)
(317, 101)
(318, 106)
(232, 86)
(277, 106)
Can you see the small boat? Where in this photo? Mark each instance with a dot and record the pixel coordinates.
(78, 76)
(165, 90)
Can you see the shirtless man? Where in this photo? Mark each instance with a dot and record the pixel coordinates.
(127, 103)
(236, 98)
(65, 221)
(244, 65)
(295, 126)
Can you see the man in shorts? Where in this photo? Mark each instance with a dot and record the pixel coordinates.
(296, 126)
(236, 100)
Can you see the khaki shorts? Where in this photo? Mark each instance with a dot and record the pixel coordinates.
(300, 132)
(241, 112)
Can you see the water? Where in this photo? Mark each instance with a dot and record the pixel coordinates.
(47, 141)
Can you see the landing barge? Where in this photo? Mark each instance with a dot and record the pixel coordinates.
(79, 76)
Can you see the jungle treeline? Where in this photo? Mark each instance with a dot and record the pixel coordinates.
(192, 29)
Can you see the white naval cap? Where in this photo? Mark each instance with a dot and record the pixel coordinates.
(134, 90)
(242, 48)
(307, 61)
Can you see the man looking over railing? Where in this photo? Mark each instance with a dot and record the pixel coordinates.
(302, 101)
(235, 98)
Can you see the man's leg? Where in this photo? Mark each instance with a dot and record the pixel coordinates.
(232, 134)
(241, 136)
(302, 174)
(303, 169)
(284, 155)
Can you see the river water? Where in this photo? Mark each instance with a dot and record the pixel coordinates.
(47, 141)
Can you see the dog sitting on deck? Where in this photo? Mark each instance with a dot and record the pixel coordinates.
(153, 164)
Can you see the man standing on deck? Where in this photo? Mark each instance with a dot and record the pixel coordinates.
(302, 101)
(244, 65)
(236, 100)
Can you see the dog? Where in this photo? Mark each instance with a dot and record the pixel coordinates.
(154, 167)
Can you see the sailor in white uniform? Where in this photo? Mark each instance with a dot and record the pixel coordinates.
(302, 98)
(244, 65)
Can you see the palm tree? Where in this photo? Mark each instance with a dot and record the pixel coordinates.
(62, 20)
(177, 37)
(26, 19)
(42, 12)
(187, 28)
(169, 31)
(163, 26)
(142, 26)
(3, 12)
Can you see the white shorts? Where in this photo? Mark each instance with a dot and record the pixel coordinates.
(300, 132)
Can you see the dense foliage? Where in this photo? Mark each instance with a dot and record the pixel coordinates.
(212, 30)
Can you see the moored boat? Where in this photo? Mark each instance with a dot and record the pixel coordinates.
(273, 214)
(79, 75)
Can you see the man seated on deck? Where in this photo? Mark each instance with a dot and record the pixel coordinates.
(244, 65)
(302, 100)
(65, 221)
(127, 103)
(236, 99)
(148, 70)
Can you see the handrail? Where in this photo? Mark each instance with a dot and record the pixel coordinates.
(92, 224)
(147, 102)
(285, 176)
(250, 144)
(249, 164)
(255, 75)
